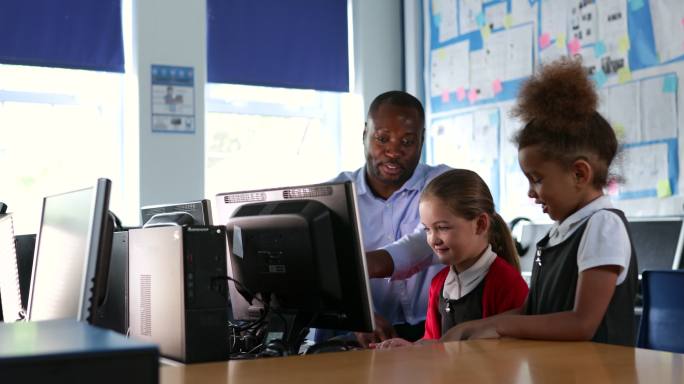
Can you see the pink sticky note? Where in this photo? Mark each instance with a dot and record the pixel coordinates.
(574, 46)
(472, 96)
(612, 187)
(544, 40)
(496, 86)
(682, 21)
(445, 97)
(460, 94)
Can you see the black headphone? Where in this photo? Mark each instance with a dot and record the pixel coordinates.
(519, 247)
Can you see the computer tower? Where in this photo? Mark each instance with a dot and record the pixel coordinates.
(178, 295)
(113, 313)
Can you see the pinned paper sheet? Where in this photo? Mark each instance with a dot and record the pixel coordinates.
(670, 84)
(486, 32)
(441, 54)
(560, 40)
(496, 86)
(636, 4)
(624, 75)
(445, 97)
(599, 49)
(663, 188)
(460, 94)
(623, 44)
(574, 46)
(480, 18)
(544, 40)
(508, 20)
(619, 131)
(600, 77)
(472, 96)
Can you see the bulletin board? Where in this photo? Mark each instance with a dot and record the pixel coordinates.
(477, 53)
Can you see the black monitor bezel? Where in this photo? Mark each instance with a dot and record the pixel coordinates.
(225, 210)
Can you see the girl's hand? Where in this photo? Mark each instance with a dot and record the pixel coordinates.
(426, 342)
(486, 332)
(391, 343)
(476, 329)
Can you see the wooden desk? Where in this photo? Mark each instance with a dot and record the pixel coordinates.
(501, 361)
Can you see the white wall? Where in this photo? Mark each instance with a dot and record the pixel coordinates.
(378, 48)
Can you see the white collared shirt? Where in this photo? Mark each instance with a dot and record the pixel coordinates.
(605, 240)
(458, 285)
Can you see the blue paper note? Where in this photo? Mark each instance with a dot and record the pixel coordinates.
(494, 119)
(437, 19)
(636, 4)
(599, 49)
(600, 77)
(670, 84)
(480, 18)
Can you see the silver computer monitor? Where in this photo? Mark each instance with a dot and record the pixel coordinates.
(71, 254)
(10, 292)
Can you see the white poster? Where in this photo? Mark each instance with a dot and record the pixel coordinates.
(583, 21)
(620, 106)
(613, 35)
(173, 99)
(445, 18)
(469, 11)
(658, 108)
(643, 167)
(667, 17)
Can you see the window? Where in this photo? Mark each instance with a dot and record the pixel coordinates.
(61, 130)
(259, 137)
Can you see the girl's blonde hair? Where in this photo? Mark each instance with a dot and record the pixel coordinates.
(467, 195)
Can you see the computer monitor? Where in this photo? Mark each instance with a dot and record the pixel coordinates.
(302, 247)
(72, 255)
(531, 234)
(658, 242)
(10, 292)
(192, 213)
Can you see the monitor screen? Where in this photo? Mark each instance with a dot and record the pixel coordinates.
(302, 246)
(72, 254)
(657, 241)
(194, 213)
(531, 234)
(10, 292)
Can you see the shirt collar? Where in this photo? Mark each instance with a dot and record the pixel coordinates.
(561, 230)
(414, 183)
(458, 285)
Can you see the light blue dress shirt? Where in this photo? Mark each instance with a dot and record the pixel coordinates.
(384, 222)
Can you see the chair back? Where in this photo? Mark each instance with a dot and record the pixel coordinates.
(662, 321)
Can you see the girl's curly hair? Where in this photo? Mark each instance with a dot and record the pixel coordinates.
(558, 105)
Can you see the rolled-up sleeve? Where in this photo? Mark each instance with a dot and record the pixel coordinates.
(410, 254)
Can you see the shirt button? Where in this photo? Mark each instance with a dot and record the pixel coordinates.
(389, 237)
